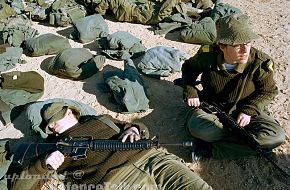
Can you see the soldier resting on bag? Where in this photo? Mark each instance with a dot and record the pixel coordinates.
(131, 169)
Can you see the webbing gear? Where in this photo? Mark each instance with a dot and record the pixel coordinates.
(64, 12)
(110, 123)
(18, 30)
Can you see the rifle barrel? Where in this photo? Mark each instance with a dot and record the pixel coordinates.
(183, 144)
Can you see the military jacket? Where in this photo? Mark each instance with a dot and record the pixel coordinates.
(249, 88)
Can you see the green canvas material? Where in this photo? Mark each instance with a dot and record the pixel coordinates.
(173, 22)
(34, 112)
(90, 28)
(122, 45)
(46, 44)
(140, 11)
(38, 9)
(14, 99)
(10, 58)
(17, 30)
(76, 63)
(30, 81)
(18, 88)
(200, 32)
(65, 12)
(128, 89)
(161, 61)
(223, 9)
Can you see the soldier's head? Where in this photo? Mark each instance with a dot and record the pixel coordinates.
(60, 117)
(235, 38)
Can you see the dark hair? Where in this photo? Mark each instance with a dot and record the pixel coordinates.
(76, 112)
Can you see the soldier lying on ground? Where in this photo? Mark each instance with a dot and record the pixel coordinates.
(150, 168)
(147, 12)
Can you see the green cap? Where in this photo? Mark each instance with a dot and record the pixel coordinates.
(234, 29)
(54, 112)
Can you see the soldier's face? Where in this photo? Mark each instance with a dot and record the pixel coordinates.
(61, 125)
(237, 54)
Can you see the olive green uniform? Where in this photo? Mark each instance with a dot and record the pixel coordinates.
(144, 12)
(247, 89)
(147, 169)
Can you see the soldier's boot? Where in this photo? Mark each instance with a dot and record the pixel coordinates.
(201, 150)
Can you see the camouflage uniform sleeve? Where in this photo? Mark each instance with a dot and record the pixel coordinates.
(265, 89)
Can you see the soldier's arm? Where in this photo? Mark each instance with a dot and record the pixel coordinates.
(191, 69)
(265, 89)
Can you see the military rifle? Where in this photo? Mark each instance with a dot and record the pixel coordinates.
(77, 147)
(240, 132)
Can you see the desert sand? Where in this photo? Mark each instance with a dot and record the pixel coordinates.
(269, 19)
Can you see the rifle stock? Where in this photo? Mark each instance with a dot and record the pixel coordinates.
(240, 132)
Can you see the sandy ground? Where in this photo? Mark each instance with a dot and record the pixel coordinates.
(270, 19)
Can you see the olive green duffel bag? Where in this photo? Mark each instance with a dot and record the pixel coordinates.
(46, 44)
(76, 64)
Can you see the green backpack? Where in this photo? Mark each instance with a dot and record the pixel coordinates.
(64, 12)
(17, 30)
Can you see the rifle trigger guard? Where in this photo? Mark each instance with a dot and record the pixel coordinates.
(79, 153)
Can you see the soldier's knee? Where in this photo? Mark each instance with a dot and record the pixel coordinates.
(273, 140)
(205, 130)
(279, 137)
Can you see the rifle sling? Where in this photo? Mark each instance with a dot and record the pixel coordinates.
(110, 123)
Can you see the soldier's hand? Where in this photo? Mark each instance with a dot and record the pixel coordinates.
(54, 159)
(243, 119)
(132, 133)
(193, 102)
